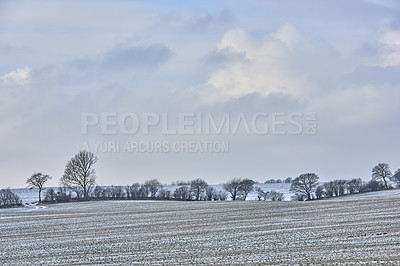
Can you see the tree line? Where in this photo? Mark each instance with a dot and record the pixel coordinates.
(80, 177)
(307, 187)
(195, 190)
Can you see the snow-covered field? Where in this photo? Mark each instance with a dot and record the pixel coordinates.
(359, 229)
(31, 195)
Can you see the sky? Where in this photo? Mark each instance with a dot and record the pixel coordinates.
(306, 86)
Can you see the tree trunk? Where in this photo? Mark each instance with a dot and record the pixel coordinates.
(40, 192)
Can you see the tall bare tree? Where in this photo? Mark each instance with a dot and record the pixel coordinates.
(132, 191)
(329, 188)
(319, 192)
(261, 194)
(79, 172)
(340, 187)
(246, 186)
(354, 185)
(381, 171)
(152, 186)
(233, 187)
(37, 180)
(305, 184)
(197, 187)
(182, 193)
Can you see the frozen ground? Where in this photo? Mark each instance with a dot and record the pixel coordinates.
(359, 229)
(31, 195)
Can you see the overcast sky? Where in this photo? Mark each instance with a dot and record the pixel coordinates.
(60, 60)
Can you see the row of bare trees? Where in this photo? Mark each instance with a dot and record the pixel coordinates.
(307, 187)
(239, 189)
(197, 189)
(269, 195)
(80, 177)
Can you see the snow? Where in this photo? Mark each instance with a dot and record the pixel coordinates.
(358, 229)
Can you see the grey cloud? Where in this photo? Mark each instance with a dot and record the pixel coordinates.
(223, 19)
(148, 57)
(369, 52)
(224, 56)
(115, 63)
(126, 57)
(169, 19)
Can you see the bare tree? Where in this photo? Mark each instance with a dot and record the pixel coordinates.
(211, 194)
(305, 184)
(261, 194)
(8, 199)
(180, 183)
(197, 187)
(143, 192)
(276, 196)
(98, 192)
(78, 192)
(374, 185)
(132, 191)
(319, 192)
(116, 192)
(164, 194)
(340, 187)
(182, 193)
(233, 187)
(354, 185)
(299, 197)
(329, 188)
(50, 195)
(222, 195)
(381, 172)
(37, 180)
(152, 186)
(79, 172)
(61, 195)
(245, 187)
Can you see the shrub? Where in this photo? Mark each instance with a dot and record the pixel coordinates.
(9, 199)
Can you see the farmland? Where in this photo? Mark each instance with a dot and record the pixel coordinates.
(362, 228)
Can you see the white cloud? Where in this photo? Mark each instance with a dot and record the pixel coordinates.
(390, 43)
(20, 76)
(13, 89)
(282, 62)
(291, 63)
(292, 38)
